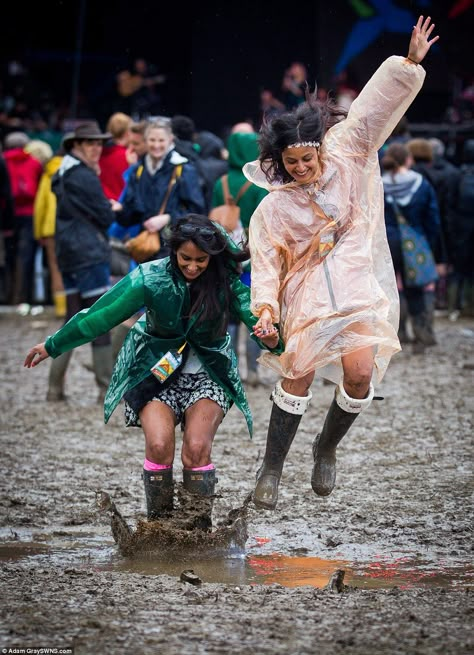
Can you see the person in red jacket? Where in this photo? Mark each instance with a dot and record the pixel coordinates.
(25, 172)
(114, 161)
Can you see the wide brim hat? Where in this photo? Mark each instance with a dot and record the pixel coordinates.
(89, 130)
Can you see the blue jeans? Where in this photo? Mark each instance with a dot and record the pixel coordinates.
(89, 282)
(83, 287)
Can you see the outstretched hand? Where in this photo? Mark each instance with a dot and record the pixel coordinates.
(420, 41)
(36, 355)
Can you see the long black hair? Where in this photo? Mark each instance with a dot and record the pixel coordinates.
(211, 294)
(308, 122)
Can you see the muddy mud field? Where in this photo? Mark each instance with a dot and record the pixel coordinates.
(383, 565)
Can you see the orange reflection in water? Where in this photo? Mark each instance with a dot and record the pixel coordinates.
(402, 572)
(294, 571)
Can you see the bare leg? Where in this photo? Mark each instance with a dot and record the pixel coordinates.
(202, 421)
(358, 367)
(158, 424)
(299, 387)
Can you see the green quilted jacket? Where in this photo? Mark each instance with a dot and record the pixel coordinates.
(165, 296)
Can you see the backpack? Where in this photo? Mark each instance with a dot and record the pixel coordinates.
(24, 185)
(465, 202)
(228, 214)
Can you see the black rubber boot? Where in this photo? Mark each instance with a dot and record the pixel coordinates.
(158, 493)
(402, 327)
(423, 329)
(281, 432)
(335, 427)
(202, 484)
(57, 374)
(103, 364)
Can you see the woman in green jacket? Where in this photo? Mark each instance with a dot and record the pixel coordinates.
(189, 298)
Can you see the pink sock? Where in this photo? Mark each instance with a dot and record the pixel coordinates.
(151, 466)
(208, 467)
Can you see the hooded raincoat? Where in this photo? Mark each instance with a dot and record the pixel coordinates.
(164, 293)
(331, 302)
(242, 148)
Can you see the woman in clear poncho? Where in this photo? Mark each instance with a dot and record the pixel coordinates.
(321, 266)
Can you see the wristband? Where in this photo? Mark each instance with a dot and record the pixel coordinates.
(413, 61)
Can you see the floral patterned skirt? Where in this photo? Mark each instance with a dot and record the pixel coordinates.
(179, 395)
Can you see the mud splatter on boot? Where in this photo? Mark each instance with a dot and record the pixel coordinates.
(158, 493)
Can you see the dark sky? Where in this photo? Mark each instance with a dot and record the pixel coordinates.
(218, 55)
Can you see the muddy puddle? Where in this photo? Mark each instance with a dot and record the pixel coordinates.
(240, 567)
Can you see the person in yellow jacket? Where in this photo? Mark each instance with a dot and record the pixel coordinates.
(44, 229)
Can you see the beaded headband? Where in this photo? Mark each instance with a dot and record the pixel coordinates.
(300, 144)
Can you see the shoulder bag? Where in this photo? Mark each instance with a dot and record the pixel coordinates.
(418, 261)
(147, 244)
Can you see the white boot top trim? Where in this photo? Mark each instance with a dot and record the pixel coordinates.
(353, 405)
(289, 403)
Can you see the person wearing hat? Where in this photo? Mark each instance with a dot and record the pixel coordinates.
(83, 216)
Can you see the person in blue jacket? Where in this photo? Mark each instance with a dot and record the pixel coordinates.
(408, 192)
(162, 188)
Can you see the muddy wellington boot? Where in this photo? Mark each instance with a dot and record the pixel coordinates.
(202, 485)
(423, 329)
(118, 334)
(57, 374)
(285, 418)
(341, 415)
(158, 493)
(102, 364)
(402, 327)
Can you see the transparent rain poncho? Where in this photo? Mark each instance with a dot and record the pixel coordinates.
(331, 301)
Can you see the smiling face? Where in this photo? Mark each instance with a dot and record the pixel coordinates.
(158, 142)
(302, 163)
(192, 261)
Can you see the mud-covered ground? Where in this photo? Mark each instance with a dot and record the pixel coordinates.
(399, 522)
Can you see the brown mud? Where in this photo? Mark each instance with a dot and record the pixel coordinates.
(383, 565)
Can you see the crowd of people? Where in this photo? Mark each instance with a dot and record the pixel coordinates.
(313, 268)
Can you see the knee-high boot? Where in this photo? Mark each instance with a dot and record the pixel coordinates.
(158, 493)
(341, 415)
(202, 484)
(285, 418)
(57, 374)
(103, 364)
(118, 334)
(402, 327)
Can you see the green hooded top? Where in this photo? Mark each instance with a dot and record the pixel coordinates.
(242, 148)
(165, 295)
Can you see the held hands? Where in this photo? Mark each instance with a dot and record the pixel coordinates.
(265, 330)
(156, 223)
(36, 355)
(420, 42)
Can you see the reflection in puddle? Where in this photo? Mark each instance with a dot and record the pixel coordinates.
(21, 549)
(381, 573)
(403, 572)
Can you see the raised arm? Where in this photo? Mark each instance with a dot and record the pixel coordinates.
(420, 41)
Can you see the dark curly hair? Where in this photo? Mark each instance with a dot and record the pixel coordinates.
(308, 121)
(211, 294)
